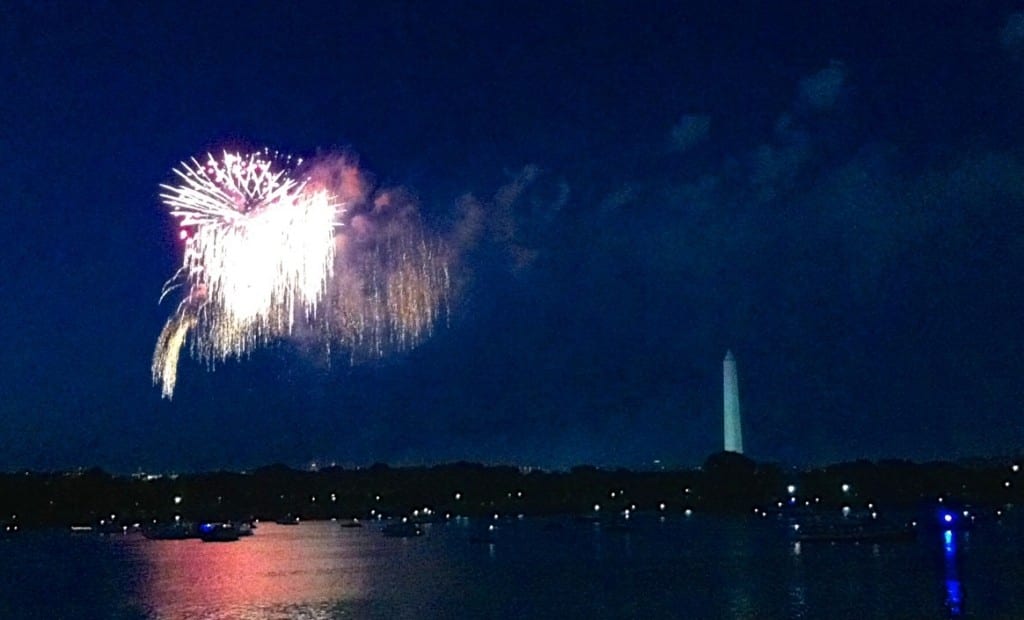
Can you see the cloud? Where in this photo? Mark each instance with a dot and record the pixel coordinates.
(691, 129)
(821, 90)
(1012, 35)
(516, 221)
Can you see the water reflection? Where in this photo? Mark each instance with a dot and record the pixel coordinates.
(267, 575)
(954, 591)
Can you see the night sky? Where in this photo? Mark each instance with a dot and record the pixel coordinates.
(833, 190)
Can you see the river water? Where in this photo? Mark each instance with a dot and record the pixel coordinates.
(674, 568)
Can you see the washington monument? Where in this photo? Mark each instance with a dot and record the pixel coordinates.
(731, 405)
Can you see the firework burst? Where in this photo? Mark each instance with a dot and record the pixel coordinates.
(271, 254)
(259, 248)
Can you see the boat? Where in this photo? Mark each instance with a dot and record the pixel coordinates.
(244, 528)
(288, 519)
(178, 530)
(855, 532)
(221, 531)
(402, 530)
(485, 537)
(617, 526)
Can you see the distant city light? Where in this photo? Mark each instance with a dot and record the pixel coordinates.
(846, 488)
(688, 512)
(948, 518)
(791, 489)
(1015, 468)
(177, 499)
(597, 507)
(458, 496)
(1006, 484)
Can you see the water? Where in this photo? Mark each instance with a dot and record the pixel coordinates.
(679, 568)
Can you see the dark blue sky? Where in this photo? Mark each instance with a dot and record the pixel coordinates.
(834, 190)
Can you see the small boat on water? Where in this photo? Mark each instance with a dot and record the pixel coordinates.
(402, 530)
(855, 532)
(218, 532)
(288, 519)
(178, 530)
(617, 526)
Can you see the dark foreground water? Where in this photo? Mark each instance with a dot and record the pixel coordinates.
(679, 568)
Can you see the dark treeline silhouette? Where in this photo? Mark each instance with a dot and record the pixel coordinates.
(727, 483)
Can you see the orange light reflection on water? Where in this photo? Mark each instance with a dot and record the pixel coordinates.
(255, 575)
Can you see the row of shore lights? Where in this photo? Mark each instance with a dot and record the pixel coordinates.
(790, 489)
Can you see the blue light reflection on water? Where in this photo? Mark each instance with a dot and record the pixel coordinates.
(954, 591)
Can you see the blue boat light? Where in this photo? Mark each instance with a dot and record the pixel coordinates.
(207, 527)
